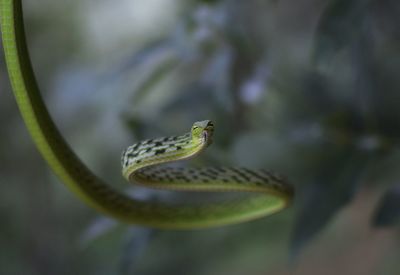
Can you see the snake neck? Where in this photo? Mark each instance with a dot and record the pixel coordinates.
(158, 151)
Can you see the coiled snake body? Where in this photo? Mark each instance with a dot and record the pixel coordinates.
(139, 161)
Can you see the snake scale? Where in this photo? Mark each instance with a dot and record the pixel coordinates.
(140, 162)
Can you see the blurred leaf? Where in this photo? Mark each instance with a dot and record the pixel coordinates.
(261, 149)
(136, 241)
(387, 96)
(99, 227)
(153, 78)
(386, 16)
(216, 76)
(138, 59)
(388, 210)
(338, 27)
(209, 1)
(135, 125)
(137, 74)
(333, 187)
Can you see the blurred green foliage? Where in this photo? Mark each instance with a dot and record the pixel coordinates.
(309, 89)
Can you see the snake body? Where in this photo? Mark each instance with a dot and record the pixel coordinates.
(139, 161)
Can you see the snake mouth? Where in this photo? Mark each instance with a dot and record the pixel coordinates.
(207, 138)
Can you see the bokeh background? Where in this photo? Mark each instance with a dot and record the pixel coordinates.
(307, 88)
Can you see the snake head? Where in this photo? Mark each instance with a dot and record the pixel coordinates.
(202, 131)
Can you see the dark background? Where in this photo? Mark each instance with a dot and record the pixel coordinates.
(307, 88)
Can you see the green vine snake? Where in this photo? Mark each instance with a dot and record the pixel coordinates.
(270, 193)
